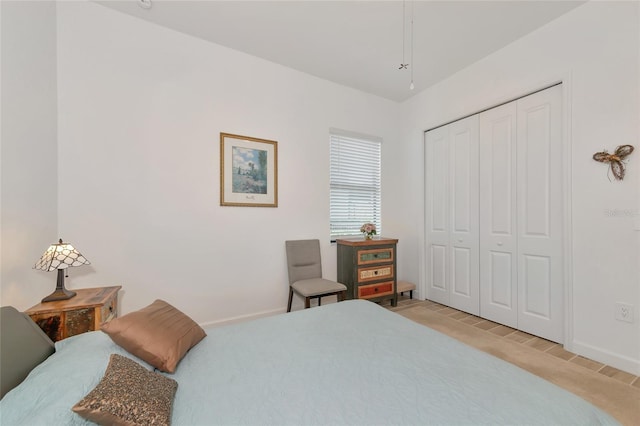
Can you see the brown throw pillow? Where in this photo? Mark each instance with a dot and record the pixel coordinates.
(129, 394)
(158, 334)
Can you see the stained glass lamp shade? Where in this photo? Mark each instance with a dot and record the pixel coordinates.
(60, 256)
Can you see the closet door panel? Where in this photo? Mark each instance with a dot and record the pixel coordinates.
(437, 214)
(439, 187)
(460, 270)
(535, 143)
(498, 242)
(540, 268)
(464, 265)
(501, 272)
(438, 276)
(537, 285)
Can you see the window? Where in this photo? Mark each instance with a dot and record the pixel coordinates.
(355, 183)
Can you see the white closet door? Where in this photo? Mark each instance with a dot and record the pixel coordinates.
(464, 235)
(498, 242)
(540, 266)
(451, 161)
(437, 213)
(494, 214)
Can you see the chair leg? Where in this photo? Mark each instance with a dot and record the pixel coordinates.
(410, 294)
(307, 302)
(319, 301)
(290, 299)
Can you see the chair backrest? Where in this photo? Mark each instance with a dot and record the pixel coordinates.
(303, 260)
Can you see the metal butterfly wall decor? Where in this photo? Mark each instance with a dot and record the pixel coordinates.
(616, 160)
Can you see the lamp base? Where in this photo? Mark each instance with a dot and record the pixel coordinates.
(60, 292)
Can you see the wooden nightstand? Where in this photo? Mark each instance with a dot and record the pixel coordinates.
(84, 312)
(367, 268)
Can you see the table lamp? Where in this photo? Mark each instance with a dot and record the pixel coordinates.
(60, 256)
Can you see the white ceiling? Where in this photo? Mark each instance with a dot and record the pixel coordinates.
(358, 43)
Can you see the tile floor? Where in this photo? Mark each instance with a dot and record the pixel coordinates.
(505, 332)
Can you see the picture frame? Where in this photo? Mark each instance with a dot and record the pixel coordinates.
(248, 171)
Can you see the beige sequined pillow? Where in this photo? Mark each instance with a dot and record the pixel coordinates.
(129, 394)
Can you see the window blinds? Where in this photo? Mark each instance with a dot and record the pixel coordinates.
(354, 184)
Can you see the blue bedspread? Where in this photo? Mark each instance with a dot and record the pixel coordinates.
(350, 363)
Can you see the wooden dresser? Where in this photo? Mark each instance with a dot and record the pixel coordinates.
(368, 268)
(84, 312)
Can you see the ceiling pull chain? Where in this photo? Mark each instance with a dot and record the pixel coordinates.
(411, 86)
(403, 64)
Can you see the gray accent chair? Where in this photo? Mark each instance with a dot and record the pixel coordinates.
(305, 273)
(22, 346)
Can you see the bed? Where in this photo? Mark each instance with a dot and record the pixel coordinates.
(348, 363)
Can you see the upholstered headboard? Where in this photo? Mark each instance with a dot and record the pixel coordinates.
(22, 346)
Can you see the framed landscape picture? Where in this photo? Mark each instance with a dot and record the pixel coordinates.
(248, 171)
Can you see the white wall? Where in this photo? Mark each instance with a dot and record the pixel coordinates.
(594, 49)
(28, 160)
(141, 108)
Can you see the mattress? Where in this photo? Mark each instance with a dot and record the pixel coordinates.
(348, 363)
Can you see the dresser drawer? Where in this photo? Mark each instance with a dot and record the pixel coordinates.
(375, 290)
(51, 323)
(379, 255)
(375, 273)
(79, 321)
(109, 310)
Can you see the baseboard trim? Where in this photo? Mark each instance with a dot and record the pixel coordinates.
(618, 361)
(242, 318)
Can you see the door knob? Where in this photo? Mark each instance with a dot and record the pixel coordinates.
(500, 243)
